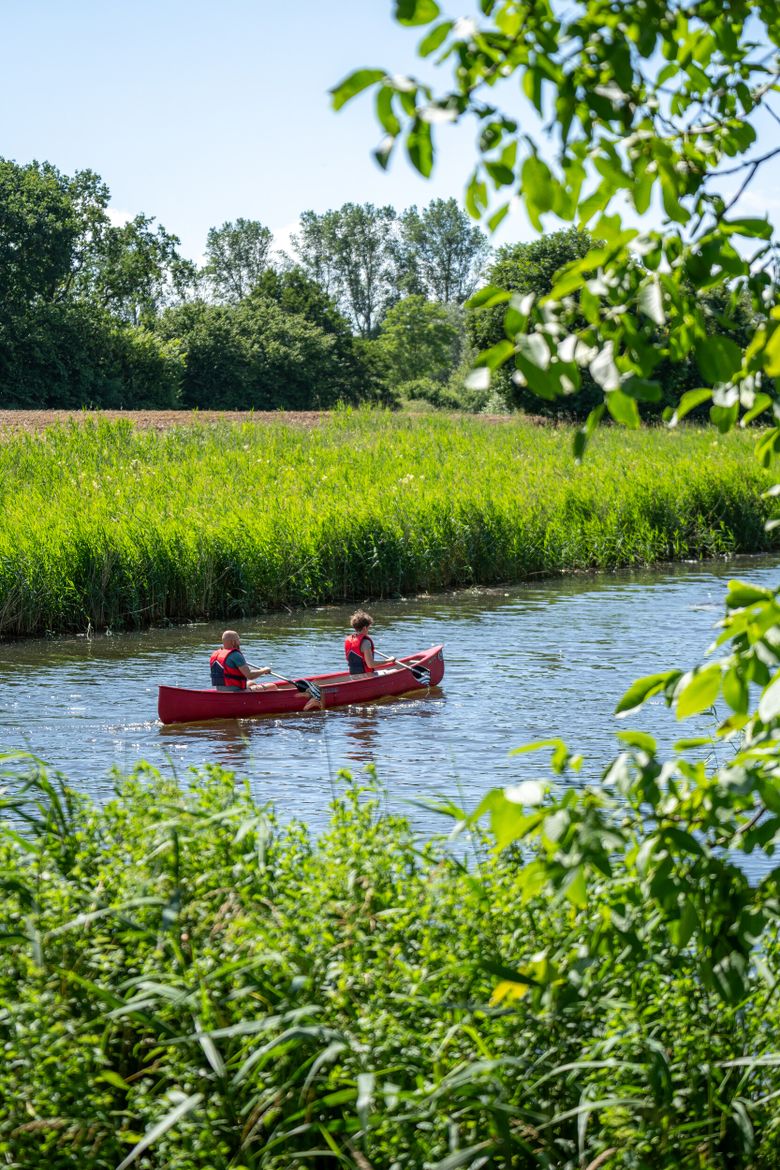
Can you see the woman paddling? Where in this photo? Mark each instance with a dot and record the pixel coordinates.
(359, 648)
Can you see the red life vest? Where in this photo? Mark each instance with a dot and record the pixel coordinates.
(355, 657)
(223, 675)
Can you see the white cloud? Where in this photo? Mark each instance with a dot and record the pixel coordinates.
(117, 217)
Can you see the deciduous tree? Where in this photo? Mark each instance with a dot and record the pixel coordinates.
(237, 255)
(352, 253)
(443, 251)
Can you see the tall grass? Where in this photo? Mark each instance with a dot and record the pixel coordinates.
(105, 525)
(186, 984)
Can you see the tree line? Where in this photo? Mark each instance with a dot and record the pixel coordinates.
(369, 306)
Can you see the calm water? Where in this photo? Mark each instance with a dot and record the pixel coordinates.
(522, 663)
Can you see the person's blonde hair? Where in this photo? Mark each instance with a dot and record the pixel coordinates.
(361, 620)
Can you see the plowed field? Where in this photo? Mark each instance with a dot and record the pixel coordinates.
(160, 420)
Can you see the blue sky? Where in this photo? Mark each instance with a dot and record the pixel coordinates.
(198, 113)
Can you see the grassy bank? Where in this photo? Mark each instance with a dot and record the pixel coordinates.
(106, 525)
(177, 969)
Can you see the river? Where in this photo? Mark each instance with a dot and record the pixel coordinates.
(522, 663)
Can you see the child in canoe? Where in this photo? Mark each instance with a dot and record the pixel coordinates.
(359, 648)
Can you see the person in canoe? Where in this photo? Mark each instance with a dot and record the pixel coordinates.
(359, 648)
(229, 668)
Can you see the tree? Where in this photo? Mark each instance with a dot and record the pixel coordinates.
(70, 283)
(38, 230)
(254, 355)
(443, 251)
(73, 354)
(352, 253)
(420, 340)
(237, 255)
(135, 270)
(647, 100)
(294, 292)
(529, 270)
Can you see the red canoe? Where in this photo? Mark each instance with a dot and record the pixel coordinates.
(185, 705)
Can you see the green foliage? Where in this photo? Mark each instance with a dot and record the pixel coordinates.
(420, 340)
(237, 256)
(38, 229)
(70, 283)
(442, 252)
(106, 525)
(353, 256)
(528, 271)
(75, 355)
(134, 270)
(647, 103)
(254, 355)
(179, 973)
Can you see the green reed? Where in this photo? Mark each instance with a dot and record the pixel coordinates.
(106, 525)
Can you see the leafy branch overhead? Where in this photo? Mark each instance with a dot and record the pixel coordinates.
(646, 106)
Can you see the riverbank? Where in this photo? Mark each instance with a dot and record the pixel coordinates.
(107, 525)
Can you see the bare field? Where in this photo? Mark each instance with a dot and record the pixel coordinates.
(159, 420)
(162, 420)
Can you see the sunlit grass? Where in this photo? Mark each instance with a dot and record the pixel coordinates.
(108, 525)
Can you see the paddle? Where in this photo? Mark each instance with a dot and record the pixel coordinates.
(300, 684)
(421, 673)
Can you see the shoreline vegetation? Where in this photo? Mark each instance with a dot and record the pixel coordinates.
(105, 525)
(182, 975)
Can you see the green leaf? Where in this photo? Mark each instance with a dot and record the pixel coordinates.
(576, 888)
(692, 742)
(700, 692)
(762, 403)
(756, 228)
(689, 401)
(383, 152)
(487, 297)
(741, 594)
(718, 358)
(638, 739)
(641, 389)
(419, 147)
(413, 12)
(583, 434)
(498, 217)
(537, 187)
(769, 703)
(724, 417)
(771, 354)
(651, 302)
(622, 408)
(385, 112)
(497, 355)
(735, 692)
(354, 84)
(181, 1110)
(642, 690)
(430, 43)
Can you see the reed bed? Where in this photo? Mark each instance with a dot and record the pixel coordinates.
(104, 525)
